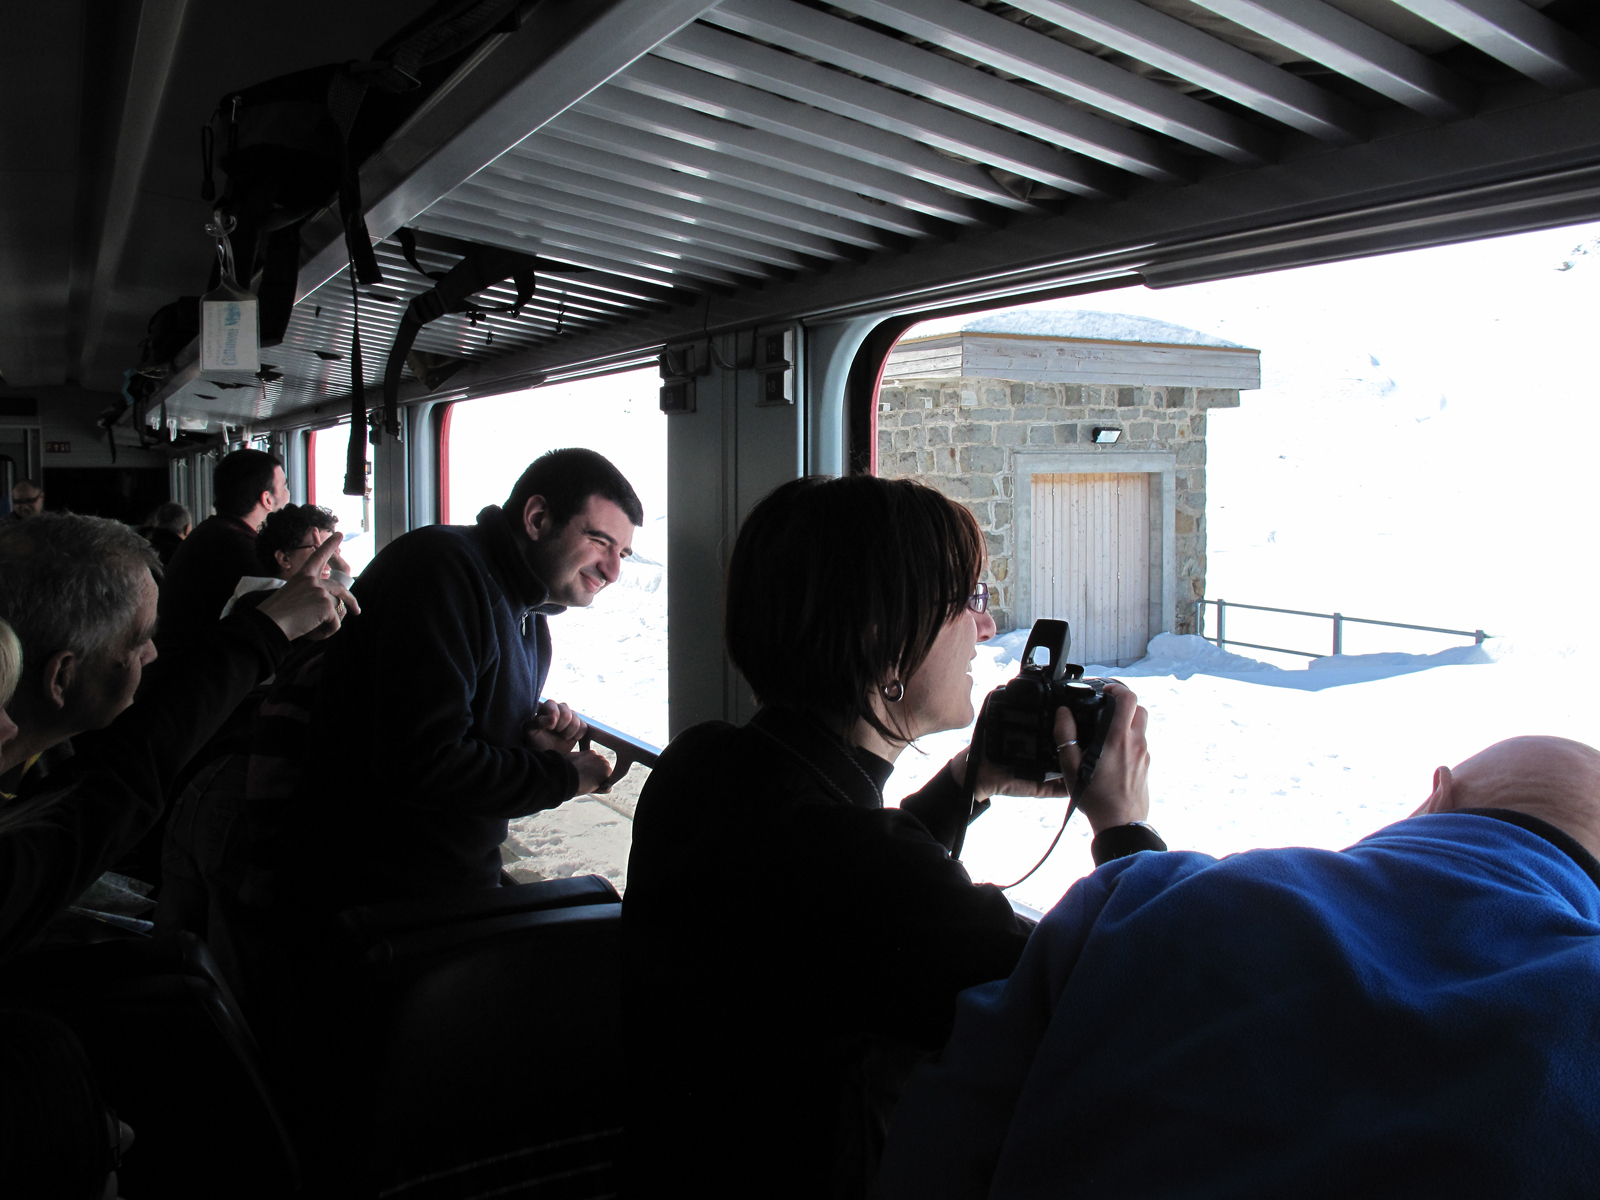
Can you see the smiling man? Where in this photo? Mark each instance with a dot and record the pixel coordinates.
(431, 701)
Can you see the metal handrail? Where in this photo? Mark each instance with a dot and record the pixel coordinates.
(1338, 619)
(625, 746)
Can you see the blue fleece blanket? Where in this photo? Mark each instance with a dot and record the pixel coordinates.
(1416, 1015)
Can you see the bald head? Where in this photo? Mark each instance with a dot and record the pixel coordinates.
(1554, 779)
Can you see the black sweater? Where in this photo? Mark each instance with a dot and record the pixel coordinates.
(792, 947)
(57, 837)
(203, 572)
(417, 756)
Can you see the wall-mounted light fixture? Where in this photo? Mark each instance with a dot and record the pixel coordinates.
(1105, 435)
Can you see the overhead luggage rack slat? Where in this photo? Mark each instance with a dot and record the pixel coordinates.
(578, 126)
(820, 166)
(872, 104)
(1328, 36)
(516, 172)
(551, 226)
(1518, 36)
(1010, 47)
(1192, 54)
(932, 76)
(534, 202)
(695, 189)
(705, 92)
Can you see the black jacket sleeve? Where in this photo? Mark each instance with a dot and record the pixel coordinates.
(440, 639)
(942, 806)
(88, 812)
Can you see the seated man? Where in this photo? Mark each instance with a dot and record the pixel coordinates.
(79, 593)
(1414, 1015)
(431, 730)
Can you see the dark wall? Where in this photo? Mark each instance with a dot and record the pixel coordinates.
(126, 493)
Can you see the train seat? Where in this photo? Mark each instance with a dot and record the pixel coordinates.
(173, 1057)
(471, 1047)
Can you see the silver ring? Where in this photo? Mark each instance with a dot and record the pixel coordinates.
(1064, 745)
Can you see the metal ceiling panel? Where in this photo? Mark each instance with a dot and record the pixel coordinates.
(533, 201)
(1168, 43)
(751, 145)
(1518, 36)
(533, 172)
(695, 189)
(944, 129)
(852, 47)
(1010, 47)
(1325, 35)
(764, 112)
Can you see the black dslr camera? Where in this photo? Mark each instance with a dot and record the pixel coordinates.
(1019, 717)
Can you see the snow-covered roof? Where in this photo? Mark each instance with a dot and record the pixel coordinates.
(1111, 327)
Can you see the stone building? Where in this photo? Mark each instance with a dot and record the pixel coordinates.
(1078, 440)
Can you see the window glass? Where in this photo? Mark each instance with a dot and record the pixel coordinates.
(326, 487)
(609, 660)
(1413, 454)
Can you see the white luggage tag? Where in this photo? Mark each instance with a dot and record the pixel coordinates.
(230, 329)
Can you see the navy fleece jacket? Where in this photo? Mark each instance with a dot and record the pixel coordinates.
(1416, 1015)
(419, 757)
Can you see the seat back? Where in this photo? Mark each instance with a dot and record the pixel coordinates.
(175, 1059)
(475, 1054)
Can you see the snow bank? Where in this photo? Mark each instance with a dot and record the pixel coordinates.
(1114, 327)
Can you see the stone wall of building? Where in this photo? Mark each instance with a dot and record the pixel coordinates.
(961, 436)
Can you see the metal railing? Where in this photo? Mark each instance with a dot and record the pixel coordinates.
(626, 747)
(1339, 620)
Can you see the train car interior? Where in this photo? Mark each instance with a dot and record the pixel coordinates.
(425, 206)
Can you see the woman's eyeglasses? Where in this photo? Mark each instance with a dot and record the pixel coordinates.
(978, 602)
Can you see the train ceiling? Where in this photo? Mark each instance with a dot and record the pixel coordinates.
(693, 167)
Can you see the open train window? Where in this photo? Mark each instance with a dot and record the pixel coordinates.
(609, 660)
(1392, 439)
(325, 467)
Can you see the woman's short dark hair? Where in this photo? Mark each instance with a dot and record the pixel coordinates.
(288, 528)
(55, 1130)
(566, 479)
(838, 585)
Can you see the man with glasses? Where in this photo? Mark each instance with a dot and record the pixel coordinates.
(27, 500)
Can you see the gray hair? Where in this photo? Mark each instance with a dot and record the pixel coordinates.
(69, 583)
(171, 516)
(10, 663)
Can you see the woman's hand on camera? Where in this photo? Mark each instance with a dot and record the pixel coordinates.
(1119, 791)
(994, 780)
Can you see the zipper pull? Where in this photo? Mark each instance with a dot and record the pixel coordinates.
(525, 617)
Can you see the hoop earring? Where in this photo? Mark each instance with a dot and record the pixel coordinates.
(894, 691)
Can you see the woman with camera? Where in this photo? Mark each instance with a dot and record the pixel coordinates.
(792, 947)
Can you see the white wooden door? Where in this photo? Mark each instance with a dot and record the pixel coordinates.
(1091, 562)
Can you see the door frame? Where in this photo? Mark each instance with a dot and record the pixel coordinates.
(1162, 471)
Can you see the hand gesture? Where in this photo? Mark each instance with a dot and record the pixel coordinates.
(1119, 791)
(556, 727)
(309, 605)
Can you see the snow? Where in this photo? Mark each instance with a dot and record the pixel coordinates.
(1112, 327)
(1416, 453)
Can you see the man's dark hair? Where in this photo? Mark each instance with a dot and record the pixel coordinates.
(566, 479)
(837, 586)
(287, 529)
(239, 480)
